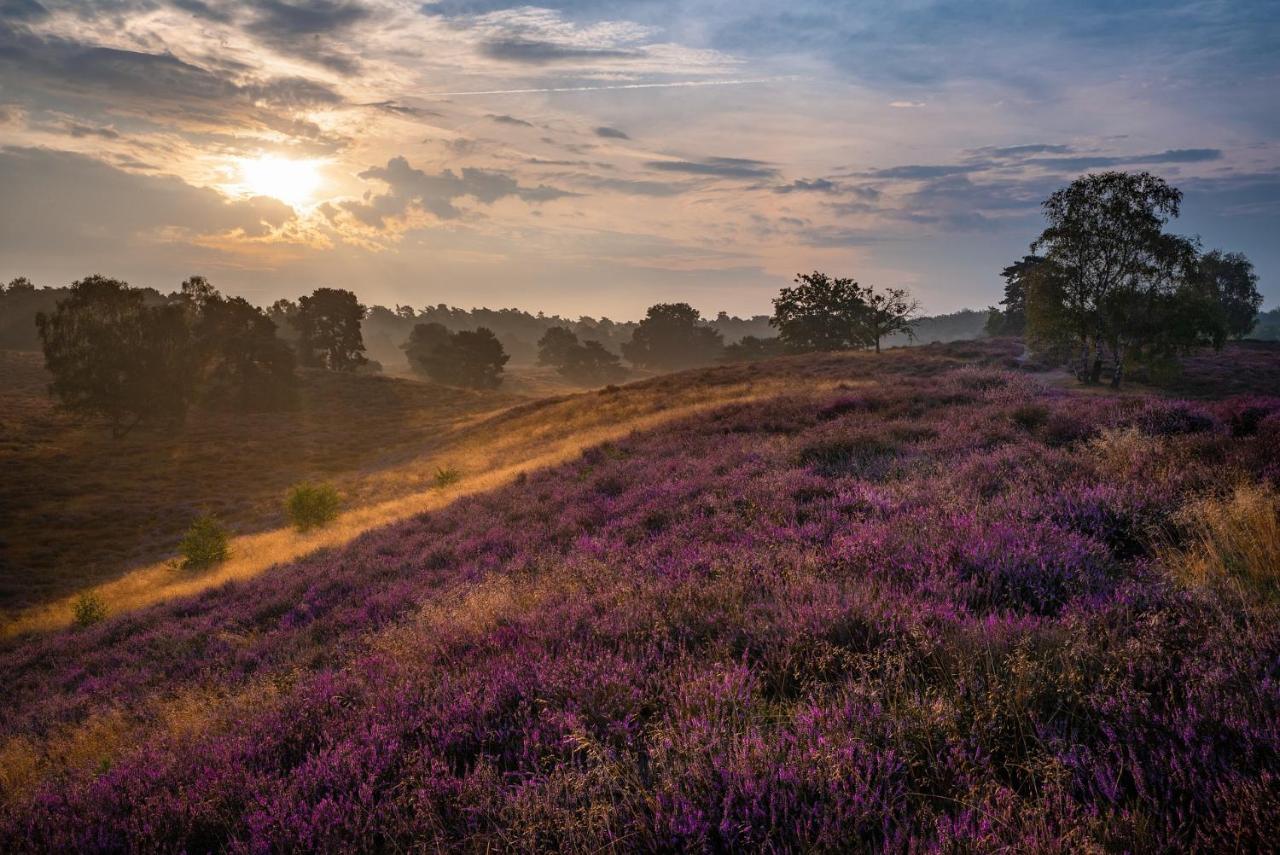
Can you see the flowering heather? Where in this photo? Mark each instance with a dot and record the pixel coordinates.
(928, 612)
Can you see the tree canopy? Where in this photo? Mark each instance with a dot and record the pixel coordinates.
(470, 358)
(328, 325)
(822, 312)
(672, 336)
(1112, 280)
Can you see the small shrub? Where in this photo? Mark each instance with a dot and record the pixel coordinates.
(857, 455)
(447, 476)
(88, 609)
(312, 505)
(204, 544)
(1029, 416)
(1174, 419)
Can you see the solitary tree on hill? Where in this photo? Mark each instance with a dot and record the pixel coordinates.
(887, 312)
(820, 312)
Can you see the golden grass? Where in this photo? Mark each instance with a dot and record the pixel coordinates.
(1233, 542)
(489, 456)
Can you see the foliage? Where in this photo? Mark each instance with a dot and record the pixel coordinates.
(243, 365)
(702, 639)
(825, 313)
(672, 336)
(590, 364)
(585, 362)
(468, 358)
(328, 326)
(750, 349)
(1227, 278)
(423, 340)
(1012, 320)
(447, 476)
(887, 312)
(204, 544)
(312, 505)
(555, 345)
(88, 609)
(820, 313)
(113, 356)
(1124, 285)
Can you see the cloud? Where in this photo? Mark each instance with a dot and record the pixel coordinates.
(51, 71)
(1016, 151)
(917, 172)
(1178, 155)
(79, 131)
(611, 133)
(89, 207)
(717, 167)
(533, 52)
(906, 105)
(298, 28)
(22, 10)
(801, 185)
(509, 120)
(413, 189)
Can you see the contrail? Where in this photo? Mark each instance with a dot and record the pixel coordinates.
(673, 85)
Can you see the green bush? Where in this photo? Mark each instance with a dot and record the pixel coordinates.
(447, 477)
(312, 505)
(88, 609)
(204, 544)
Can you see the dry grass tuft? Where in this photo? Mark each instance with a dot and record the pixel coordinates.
(1232, 542)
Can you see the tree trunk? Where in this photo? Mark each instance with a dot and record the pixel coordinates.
(1117, 368)
(1082, 374)
(877, 344)
(1095, 373)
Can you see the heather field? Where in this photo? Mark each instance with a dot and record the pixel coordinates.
(909, 603)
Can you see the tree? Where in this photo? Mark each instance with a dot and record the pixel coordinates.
(555, 345)
(591, 364)
(1012, 320)
(423, 340)
(1105, 232)
(113, 356)
(672, 336)
(887, 312)
(241, 361)
(1229, 278)
(471, 358)
(328, 325)
(752, 348)
(820, 313)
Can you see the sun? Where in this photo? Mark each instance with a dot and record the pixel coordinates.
(293, 182)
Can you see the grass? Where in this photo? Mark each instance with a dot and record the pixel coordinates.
(1232, 541)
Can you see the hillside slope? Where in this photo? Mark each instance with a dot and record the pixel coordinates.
(940, 607)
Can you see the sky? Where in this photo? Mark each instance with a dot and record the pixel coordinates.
(592, 157)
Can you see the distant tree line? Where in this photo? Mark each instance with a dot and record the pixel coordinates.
(131, 355)
(1106, 285)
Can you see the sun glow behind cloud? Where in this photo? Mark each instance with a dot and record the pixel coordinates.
(293, 182)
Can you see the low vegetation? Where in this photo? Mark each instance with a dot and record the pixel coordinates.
(312, 505)
(204, 544)
(932, 609)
